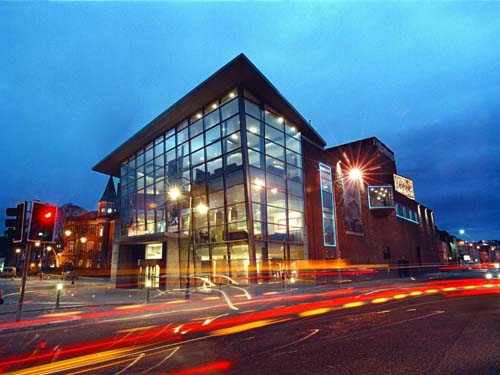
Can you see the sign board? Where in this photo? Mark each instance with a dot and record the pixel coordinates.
(404, 186)
(154, 251)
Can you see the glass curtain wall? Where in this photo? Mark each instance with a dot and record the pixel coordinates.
(202, 158)
(276, 187)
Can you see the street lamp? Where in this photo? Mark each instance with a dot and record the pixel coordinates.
(356, 174)
(174, 193)
(18, 252)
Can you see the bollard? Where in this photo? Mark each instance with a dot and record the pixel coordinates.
(148, 285)
(58, 296)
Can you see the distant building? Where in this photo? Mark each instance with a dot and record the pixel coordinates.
(232, 180)
(88, 237)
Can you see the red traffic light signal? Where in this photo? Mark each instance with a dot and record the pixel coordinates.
(42, 223)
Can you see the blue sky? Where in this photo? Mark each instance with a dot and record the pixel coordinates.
(78, 79)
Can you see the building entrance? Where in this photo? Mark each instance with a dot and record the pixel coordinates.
(149, 275)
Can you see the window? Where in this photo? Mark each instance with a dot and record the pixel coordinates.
(380, 197)
(229, 109)
(406, 213)
(252, 109)
(327, 205)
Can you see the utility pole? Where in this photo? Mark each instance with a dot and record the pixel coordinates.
(27, 257)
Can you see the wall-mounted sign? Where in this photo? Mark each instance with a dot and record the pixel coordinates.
(154, 251)
(404, 186)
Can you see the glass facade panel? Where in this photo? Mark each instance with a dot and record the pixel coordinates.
(214, 167)
(275, 150)
(212, 134)
(214, 150)
(256, 159)
(275, 135)
(275, 166)
(197, 142)
(252, 109)
(274, 120)
(212, 119)
(229, 109)
(230, 125)
(276, 251)
(254, 126)
(195, 129)
(233, 160)
(236, 194)
(232, 142)
(255, 142)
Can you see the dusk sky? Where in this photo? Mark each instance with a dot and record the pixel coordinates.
(78, 79)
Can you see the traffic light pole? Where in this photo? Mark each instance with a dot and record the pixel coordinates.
(26, 264)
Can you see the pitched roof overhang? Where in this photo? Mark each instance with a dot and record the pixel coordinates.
(238, 72)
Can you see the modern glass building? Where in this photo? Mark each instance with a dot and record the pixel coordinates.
(232, 181)
(214, 185)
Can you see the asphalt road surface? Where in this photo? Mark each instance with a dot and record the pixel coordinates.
(420, 329)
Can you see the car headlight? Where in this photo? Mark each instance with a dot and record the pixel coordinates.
(488, 275)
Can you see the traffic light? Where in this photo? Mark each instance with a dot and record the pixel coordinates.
(16, 224)
(42, 223)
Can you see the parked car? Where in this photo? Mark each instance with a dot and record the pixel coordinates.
(9, 272)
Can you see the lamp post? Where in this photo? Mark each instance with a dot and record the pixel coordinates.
(174, 194)
(83, 240)
(58, 296)
(18, 252)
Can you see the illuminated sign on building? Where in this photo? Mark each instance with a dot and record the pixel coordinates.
(404, 186)
(154, 251)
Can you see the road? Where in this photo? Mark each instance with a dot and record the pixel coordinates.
(422, 328)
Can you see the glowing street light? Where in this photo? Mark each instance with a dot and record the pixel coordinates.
(202, 208)
(461, 231)
(174, 193)
(356, 174)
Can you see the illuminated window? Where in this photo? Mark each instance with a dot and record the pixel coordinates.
(327, 205)
(380, 197)
(406, 213)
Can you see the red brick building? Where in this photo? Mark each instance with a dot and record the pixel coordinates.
(376, 218)
(89, 236)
